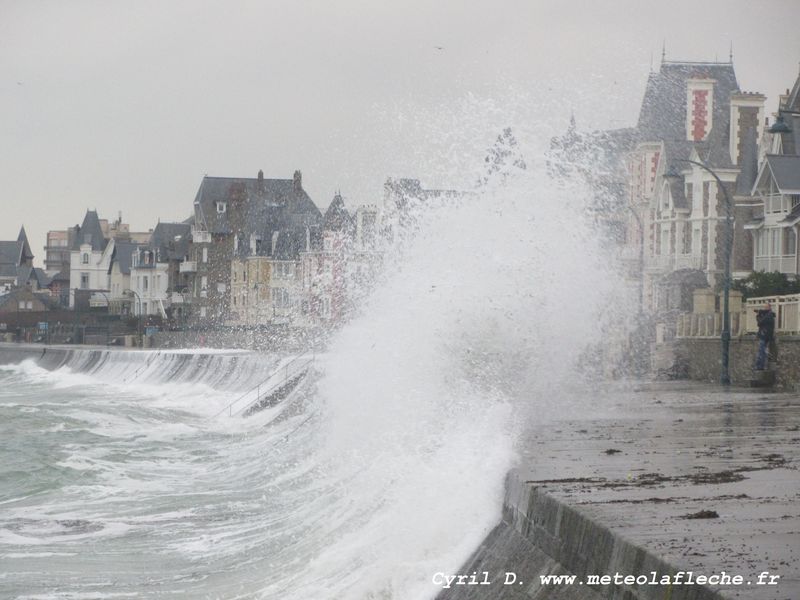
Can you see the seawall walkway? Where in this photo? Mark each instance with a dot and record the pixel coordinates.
(671, 477)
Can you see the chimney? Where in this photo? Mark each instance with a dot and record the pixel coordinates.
(747, 111)
(699, 108)
(298, 181)
(260, 180)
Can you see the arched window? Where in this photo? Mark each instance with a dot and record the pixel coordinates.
(85, 258)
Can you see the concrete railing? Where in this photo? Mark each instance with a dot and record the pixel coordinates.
(784, 264)
(743, 322)
(786, 309)
(708, 325)
(674, 262)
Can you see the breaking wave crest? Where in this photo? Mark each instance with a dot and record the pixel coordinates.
(384, 468)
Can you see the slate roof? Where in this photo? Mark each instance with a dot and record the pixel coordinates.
(16, 258)
(290, 243)
(663, 113)
(337, 218)
(793, 217)
(268, 205)
(122, 255)
(676, 190)
(170, 241)
(60, 276)
(793, 100)
(26, 249)
(786, 170)
(790, 142)
(42, 280)
(11, 253)
(90, 232)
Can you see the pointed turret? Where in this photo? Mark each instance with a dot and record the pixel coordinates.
(26, 257)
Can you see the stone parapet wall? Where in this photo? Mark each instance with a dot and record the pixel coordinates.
(704, 358)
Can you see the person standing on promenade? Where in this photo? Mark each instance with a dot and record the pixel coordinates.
(766, 333)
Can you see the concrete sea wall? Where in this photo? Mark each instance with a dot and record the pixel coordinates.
(662, 477)
(542, 535)
(46, 356)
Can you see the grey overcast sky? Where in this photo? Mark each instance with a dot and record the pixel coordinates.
(124, 106)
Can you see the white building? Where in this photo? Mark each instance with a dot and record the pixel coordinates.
(156, 276)
(90, 258)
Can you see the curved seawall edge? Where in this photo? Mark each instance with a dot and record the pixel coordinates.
(541, 535)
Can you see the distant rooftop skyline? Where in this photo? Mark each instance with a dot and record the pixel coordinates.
(125, 107)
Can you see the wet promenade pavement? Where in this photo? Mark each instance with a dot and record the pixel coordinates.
(703, 478)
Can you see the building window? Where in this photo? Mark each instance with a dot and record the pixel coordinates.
(205, 255)
(221, 207)
(285, 269)
(22, 304)
(84, 281)
(144, 308)
(145, 283)
(789, 243)
(85, 259)
(280, 298)
(763, 243)
(687, 239)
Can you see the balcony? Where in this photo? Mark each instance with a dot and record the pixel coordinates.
(178, 298)
(784, 264)
(688, 261)
(201, 237)
(188, 266)
(674, 262)
(629, 253)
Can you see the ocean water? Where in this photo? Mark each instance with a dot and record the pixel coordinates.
(119, 479)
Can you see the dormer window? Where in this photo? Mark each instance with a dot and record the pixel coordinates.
(222, 207)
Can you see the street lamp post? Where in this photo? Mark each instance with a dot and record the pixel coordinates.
(639, 335)
(725, 377)
(138, 312)
(185, 295)
(108, 310)
(641, 259)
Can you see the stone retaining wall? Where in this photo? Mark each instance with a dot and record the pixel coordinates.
(704, 359)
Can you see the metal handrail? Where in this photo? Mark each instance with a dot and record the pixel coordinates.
(257, 387)
(299, 371)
